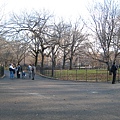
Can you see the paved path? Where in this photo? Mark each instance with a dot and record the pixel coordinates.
(47, 99)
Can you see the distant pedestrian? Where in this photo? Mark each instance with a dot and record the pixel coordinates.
(30, 70)
(114, 71)
(33, 72)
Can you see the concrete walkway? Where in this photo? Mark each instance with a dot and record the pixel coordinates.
(47, 99)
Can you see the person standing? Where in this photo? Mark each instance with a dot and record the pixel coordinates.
(19, 70)
(33, 72)
(114, 71)
(14, 68)
(29, 70)
(11, 69)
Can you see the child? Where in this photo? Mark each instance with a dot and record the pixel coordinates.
(23, 74)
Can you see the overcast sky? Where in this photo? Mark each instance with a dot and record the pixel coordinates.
(61, 8)
(68, 9)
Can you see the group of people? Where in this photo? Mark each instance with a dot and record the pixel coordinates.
(13, 69)
(20, 72)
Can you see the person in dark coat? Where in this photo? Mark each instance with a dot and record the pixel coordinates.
(114, 71)
(19, 70)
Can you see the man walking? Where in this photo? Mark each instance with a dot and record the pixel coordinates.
(114, 71)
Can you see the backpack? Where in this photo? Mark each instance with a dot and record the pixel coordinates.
(111, 70)
(32, 68)
(29, 68)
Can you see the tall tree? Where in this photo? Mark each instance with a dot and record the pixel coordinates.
(34, 25)
(76, 40)
(104, 23)
(64, 30)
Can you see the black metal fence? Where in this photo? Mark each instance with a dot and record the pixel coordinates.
(88, 75)
(1, 71)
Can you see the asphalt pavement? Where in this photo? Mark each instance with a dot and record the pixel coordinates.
(49, 99)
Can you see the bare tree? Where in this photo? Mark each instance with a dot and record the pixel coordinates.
(19, 49)
(53, 45)
(34, 25)
(76, 40)
(4, 52)
(104, 24)
(64, 30)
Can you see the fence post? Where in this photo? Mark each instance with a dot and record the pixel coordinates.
(107, 75)
(118, 74)
(67, 74)
(86, 74)
(76, 74)
(96, 75)
(60, 73)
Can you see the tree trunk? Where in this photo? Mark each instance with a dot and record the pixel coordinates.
(42, 63)
(36, 59)
(63, 66)
(71, 63)
(53, 62)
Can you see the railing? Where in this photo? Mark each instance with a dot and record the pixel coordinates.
(88, 75)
